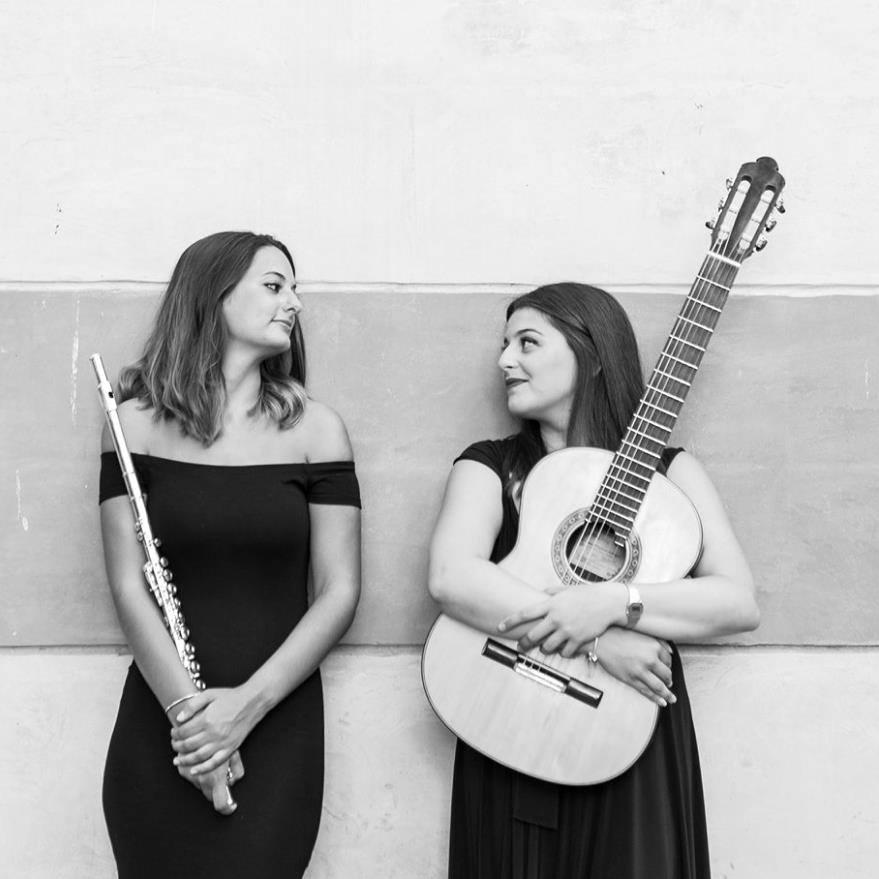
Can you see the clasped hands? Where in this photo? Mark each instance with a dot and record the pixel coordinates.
(207, 731)
(569, 619)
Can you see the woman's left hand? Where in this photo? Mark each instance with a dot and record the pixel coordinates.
(568, 618)
(210, 728)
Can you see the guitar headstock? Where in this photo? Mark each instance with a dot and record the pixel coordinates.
(747, 210)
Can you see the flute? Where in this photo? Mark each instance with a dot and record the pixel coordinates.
(155, 570)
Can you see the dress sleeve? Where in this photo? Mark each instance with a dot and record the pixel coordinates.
(111, 483)
(487, 452)
(333, 482)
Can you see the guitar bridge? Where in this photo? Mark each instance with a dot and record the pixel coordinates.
(541, 673)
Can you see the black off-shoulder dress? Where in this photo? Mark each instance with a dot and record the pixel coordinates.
(648, 823)
(237, 538)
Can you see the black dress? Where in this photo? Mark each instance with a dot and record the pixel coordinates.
(648, 823)
(238, 543)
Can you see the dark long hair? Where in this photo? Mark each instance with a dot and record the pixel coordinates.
(179, 373)
(609, 380)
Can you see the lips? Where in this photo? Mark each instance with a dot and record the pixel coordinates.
(513, 382)
(284, 323)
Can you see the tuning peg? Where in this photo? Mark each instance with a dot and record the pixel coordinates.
(720, 205)
(156, 542)
(709, 224)
(779, 206)
(729, 182)
(761, 243)
(771, 223)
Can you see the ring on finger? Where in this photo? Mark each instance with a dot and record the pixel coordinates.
(230, 777)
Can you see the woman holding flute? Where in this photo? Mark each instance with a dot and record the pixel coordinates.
(250, 485)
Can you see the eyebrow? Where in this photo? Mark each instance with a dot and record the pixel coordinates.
(527, 330)
(273, 272)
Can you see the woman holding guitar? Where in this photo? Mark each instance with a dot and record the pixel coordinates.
(573, 376)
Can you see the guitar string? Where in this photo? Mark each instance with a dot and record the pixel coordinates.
(707, 278)
(694, 305)
(683, 332)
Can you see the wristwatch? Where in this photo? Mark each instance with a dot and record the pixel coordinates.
(634, 605)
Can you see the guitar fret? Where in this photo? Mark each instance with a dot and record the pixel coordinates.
(666, 394)
(629, 520)
(634, 461)
(695, 323)
(726, 259)
(672, 377)
(708, 304)
(686, 342)
(648, 436)
(629, 473)
(713, 284)
(609, 496)
(661, 427)
(678, 359)
(636, 498)
(641, 448)
(660, 409)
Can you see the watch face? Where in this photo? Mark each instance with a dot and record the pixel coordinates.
(635, 608)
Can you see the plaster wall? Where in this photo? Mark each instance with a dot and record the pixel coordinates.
(425, 161)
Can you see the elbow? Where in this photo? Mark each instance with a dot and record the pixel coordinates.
(440, 584)
(747, 616)
(751, 616)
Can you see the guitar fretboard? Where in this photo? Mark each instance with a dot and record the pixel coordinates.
(626, 482)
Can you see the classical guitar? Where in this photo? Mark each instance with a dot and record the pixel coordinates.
(591, 515)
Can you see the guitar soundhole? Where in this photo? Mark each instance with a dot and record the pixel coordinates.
(587, 551)
(593, 552)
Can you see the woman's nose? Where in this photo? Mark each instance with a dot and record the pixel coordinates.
(506, 358)
(294, 303)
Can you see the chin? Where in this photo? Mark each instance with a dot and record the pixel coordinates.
(519, 410)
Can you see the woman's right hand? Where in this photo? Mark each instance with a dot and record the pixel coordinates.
(216, 786)
(639, 660)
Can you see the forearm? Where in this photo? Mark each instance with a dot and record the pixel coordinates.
(697, 608)
(150, 643)
(301, 653)
(479, 593)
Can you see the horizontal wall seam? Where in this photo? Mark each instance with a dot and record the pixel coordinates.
(141, 288)
(396, 649)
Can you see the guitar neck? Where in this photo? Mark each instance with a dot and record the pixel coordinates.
(626, 482)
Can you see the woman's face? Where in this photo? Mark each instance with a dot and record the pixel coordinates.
(261, 309)
(540, 370)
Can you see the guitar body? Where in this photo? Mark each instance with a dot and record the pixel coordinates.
(517, 714)
(590, 515)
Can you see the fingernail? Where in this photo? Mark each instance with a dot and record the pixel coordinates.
(672, 698)
(663, 703)
(502, 627)
(176, 761)
(180, 717)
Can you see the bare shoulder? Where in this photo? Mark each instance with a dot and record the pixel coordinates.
(137, 424)
(689, 474)
(325, 435)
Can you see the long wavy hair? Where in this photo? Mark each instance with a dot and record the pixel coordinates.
(609, 381)
(179, 373)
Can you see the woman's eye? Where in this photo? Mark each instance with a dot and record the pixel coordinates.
(527, 343)
(274, 287)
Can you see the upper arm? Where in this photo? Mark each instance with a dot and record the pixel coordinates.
(335, 528)
(722, 553)
(123, 555)
(470, 516)
(335, 549)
